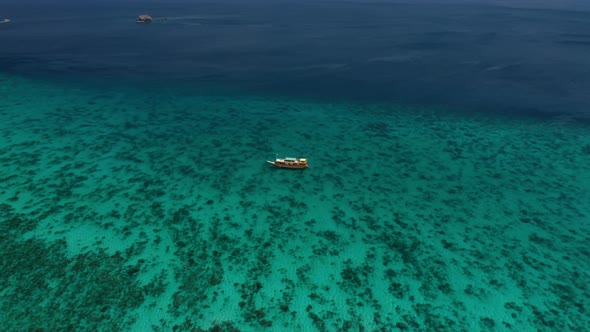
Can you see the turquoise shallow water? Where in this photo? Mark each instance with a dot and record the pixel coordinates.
(151, 209)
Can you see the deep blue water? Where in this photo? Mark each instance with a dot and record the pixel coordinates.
(465, 56)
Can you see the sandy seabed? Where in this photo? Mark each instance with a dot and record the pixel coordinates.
(129, 209)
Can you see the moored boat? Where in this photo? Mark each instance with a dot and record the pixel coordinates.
(296, 163)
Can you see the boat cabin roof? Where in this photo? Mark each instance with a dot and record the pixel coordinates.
(293, 160)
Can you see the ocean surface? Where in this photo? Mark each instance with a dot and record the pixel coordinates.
(449, 179)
